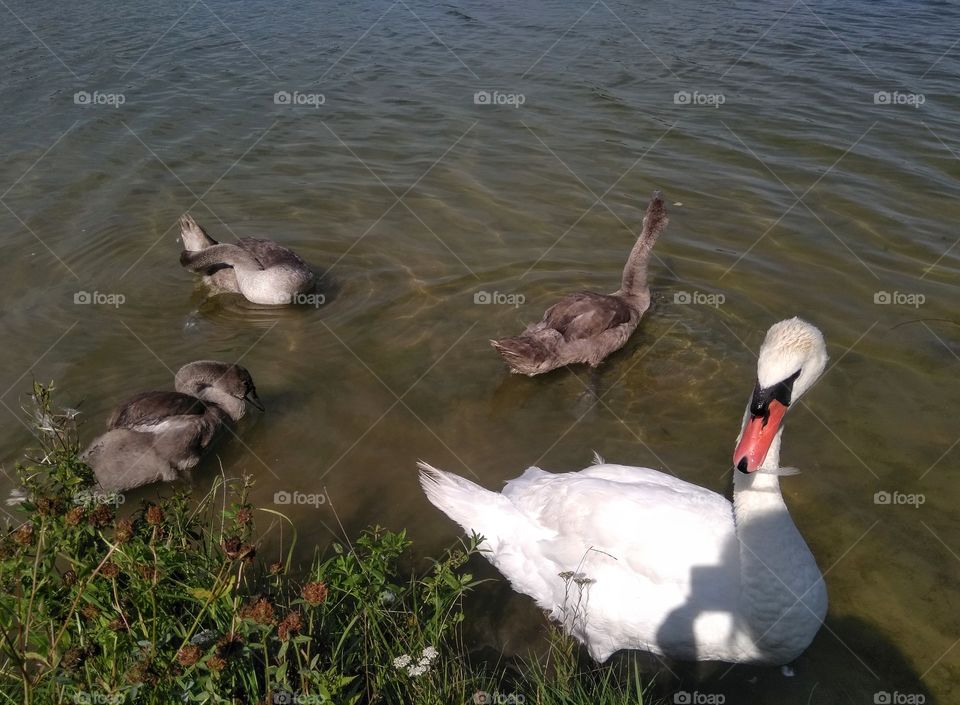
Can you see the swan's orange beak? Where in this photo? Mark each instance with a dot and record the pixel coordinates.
(757, 437)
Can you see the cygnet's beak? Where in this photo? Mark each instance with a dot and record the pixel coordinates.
(254, 399)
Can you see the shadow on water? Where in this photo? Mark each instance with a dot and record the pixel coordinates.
(501, 624)
(830, 672)
(849, 661)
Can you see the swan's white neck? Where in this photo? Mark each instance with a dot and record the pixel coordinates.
(776, 566)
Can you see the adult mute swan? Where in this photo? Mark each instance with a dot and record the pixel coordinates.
(632, 558)
(586, 326)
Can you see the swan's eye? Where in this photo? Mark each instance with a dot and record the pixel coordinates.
(762, 396)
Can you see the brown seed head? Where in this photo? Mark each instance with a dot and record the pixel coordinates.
(315, 593)
(189, 655)
(290, 624)
(123, 531)
(75, 516)
(23, 536)
(154, 515)
(260, 611)
(101, 515)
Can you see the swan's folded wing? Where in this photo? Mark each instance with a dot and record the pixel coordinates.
(271, 254)
(155, 411)
(215, 257)
(640, 518)
(586, 314)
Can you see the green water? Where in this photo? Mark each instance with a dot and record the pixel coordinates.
(792, 192)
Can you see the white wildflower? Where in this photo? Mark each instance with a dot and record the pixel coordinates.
(401, 662)
(430, 653)
(418, 670)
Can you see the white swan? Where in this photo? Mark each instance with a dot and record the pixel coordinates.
(632, 558)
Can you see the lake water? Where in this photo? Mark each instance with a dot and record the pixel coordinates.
(426, 155)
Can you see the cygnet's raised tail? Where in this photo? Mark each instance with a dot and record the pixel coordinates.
(263, 271)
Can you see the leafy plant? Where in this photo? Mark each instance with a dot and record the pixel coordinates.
(102, 603)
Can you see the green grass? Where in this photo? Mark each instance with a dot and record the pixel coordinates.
(169, 603)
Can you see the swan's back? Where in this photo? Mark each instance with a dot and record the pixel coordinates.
(651, 522)
(270, 254)
(609, 550)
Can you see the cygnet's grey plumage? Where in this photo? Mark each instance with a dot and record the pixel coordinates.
(586, 327)
(159, 436)
(263, 271)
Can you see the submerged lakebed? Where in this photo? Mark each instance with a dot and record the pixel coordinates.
(441, 218)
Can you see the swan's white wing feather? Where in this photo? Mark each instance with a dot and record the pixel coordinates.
(643, 544)
(626, 557)
(618, 509)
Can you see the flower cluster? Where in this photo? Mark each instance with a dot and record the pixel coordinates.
(418, 668)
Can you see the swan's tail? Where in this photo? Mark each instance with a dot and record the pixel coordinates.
(477, 510)
(526, 354)
(193, 237)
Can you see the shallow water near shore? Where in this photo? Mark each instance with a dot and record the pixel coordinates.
(428, 159)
